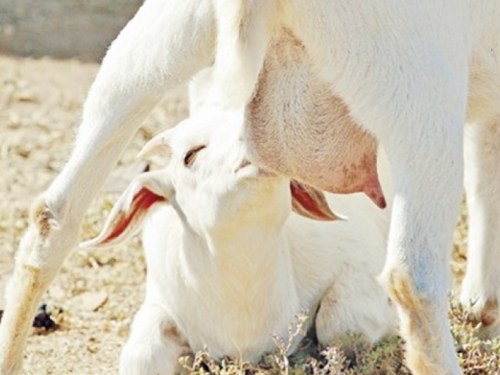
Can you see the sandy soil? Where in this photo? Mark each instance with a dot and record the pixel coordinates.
(40, 108)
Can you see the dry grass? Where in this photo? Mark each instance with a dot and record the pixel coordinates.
(98, 291)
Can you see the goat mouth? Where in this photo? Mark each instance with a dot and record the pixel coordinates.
(266, 173)
(251, 170)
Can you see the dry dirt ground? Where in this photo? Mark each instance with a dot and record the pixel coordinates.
(98, 291)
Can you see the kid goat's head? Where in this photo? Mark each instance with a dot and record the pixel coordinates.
(211, 184)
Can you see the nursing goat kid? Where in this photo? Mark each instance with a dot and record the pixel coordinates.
(410, 73)
(229, 265)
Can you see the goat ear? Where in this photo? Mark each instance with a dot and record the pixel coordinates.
(311, 203)
(129, 212)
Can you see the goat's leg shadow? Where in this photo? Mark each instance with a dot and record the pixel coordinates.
(162, 46)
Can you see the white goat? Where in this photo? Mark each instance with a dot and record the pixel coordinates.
(410, 73)
(228, 265)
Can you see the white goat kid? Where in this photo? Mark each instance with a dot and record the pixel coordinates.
(411, 73)
(228, 265)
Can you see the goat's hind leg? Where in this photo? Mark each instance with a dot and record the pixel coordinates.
(355, 303)
(428, 188)
(423, 141)
(481, 285)
(165, 44)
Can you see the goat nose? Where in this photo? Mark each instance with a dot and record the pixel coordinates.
(244, 163)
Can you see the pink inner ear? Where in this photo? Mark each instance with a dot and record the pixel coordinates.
(309, 202)
(142, 201)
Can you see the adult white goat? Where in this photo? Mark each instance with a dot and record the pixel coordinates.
(411, 73)
(229, 266)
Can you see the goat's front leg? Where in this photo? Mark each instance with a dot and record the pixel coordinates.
(481, 286)
(154, 345)
(163, 45)
(427, 163)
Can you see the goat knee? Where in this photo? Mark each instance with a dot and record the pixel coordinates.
(154, 345)
(49, 238)
(343, 311)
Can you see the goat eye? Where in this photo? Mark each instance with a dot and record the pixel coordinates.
(190, 156)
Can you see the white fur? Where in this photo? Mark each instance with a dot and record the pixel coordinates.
(229, 266)
(410, 72)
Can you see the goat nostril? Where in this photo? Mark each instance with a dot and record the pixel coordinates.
(244, 163)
